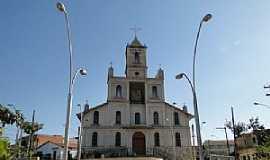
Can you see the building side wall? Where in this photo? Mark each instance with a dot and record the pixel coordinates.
(49, 148)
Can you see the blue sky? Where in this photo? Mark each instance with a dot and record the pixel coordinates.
(232, 65)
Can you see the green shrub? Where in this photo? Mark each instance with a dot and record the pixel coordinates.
(4, 151)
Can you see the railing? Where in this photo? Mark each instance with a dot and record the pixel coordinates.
(106, 151)
(167, 153)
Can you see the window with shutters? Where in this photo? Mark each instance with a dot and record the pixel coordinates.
(156, 137)
(118, 91)
(96, 117)
(137, 118)
(176, 118)
(94, 139)
(177, 140)
(155, 118)
(118, 117)
(154, 92)
(118, 139)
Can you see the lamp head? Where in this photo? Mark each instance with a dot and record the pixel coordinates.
(207, 17)
(256, 103)
(61, 7)
(83, 72)
(221, 128)
(179, 76)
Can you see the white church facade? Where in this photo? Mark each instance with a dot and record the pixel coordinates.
(136, 120)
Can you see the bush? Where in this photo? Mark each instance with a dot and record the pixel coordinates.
(4, 152)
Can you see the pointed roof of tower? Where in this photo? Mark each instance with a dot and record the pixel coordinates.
(136, 43)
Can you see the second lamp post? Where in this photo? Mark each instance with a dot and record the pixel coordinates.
(206, 18)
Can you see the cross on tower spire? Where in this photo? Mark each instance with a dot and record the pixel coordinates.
(135, 29)
(111, 64)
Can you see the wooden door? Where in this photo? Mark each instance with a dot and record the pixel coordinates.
(138, 143)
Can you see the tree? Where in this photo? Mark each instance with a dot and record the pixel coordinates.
(263, 149)
(6, 116)
(4, 149)
(240, 127)
(254, 124)
(30, 128)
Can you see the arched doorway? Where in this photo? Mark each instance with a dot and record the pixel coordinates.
(138, 143)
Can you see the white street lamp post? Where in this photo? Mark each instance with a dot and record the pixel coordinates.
(206, 18)
(61, 8)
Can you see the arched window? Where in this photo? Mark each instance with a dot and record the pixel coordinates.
(177, 140)
(156, 138)
(96, 117)
(176, 118)
(118, 117)
(118, 91)
(137, 57)
(154, 91)
(118, 139)
(156, 118)
(94, 139)
(137, 118)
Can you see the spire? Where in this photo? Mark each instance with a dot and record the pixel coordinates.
(110, 71)
(86, 106)
(136, 42)
(160, 73)
(185, 108)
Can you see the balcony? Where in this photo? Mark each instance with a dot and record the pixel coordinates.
(137, 126)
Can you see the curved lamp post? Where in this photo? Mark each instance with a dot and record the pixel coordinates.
(206, 18)
(72, 78)
(195, 104)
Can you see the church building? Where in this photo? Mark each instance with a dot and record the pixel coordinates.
(136, 120)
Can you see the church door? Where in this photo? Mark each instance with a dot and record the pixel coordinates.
(138, 143)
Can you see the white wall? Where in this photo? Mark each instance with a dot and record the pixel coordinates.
(49, 148)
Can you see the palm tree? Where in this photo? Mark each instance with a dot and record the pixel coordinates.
(6, 116)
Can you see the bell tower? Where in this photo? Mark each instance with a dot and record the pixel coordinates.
(136, 60)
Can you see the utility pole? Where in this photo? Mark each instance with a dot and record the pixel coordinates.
(194, 151)
(80, 128)
(31, 135)
(78, 144)
(193, 134)
(20, 142)
(234, 136)
(228, 145)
